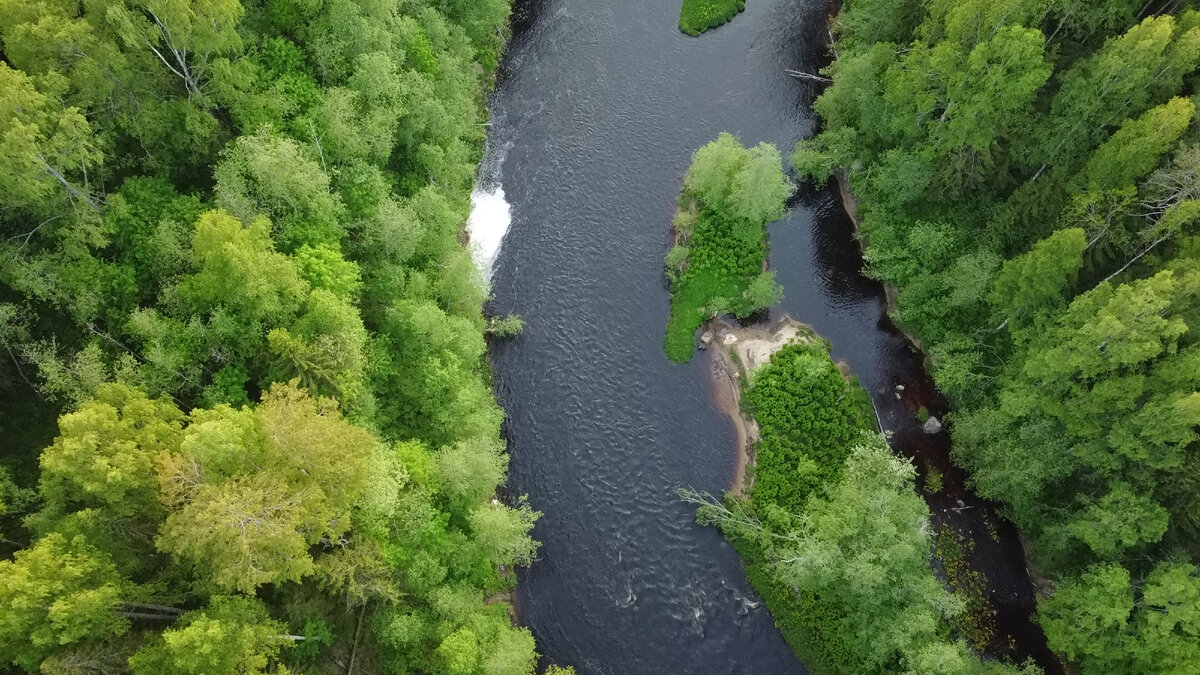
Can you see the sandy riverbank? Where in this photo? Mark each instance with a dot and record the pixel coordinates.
(734, 354)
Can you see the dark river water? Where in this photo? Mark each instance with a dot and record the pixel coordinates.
(597, 110)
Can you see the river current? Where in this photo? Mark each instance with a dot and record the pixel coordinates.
(598, 107)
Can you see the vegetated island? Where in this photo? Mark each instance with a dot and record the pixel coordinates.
(827, 520)
(729, 195)
(697, 16)
(1029, 181)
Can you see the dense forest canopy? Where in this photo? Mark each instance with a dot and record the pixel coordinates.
(1027, 172)
(247, 408)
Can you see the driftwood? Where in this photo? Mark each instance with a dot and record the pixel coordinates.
(801, 75)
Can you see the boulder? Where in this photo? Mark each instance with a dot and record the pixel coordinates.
(706, 339)
(932, 426)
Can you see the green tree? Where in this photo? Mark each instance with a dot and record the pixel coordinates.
(247, 527)
(47, 148)
(470, 470)
(1117, 82)
(1036, 281)
(106, 451)
(239, 271)
(188, 38)
(58, 592)
(504, 532)
(864, 23)
(1096, 620)
(460, 651)
(1120, 520)
(233, 634)
(1135, 149)
(866, 547)
(265, 175)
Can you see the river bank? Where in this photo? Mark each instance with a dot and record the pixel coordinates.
(734, 353)
(963, 521)
(602, 429)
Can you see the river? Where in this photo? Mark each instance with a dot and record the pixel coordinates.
(598, 107)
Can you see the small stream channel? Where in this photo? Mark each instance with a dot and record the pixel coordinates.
(598, 107)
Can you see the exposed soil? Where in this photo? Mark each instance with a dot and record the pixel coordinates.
(735, 352)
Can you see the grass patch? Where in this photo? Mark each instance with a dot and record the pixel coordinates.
(977, 623)
(697, 16)
(933, 480)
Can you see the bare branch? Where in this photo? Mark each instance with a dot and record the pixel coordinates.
(75, 192)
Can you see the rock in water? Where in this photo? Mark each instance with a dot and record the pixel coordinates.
(932, 426)
(706, 339)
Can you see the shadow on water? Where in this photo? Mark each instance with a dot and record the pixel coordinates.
(819, 263)
(598, 107)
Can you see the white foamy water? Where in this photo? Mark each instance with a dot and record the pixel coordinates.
(489, 221)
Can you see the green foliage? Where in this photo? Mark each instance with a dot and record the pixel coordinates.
(864, 548)
(847, 576)
(249, 528)
(203, 201)
(933, 480)
(233, 634)
(870, 21)
(1034, 282)
(717, 266)
(106, 452)
(505, 326)
(1135, 149)
(834, 536)
(58, 592)
(1025, 174)
(1097, 621)
(697, 16)
(809, 417)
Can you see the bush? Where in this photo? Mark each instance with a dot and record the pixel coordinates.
(809, 418)
(697, 16)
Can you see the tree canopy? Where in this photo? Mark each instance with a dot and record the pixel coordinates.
(729, 195)
(1025, 177)
(230, 268)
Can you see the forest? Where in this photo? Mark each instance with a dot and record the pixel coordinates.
(247, 410)
(1027, 173)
